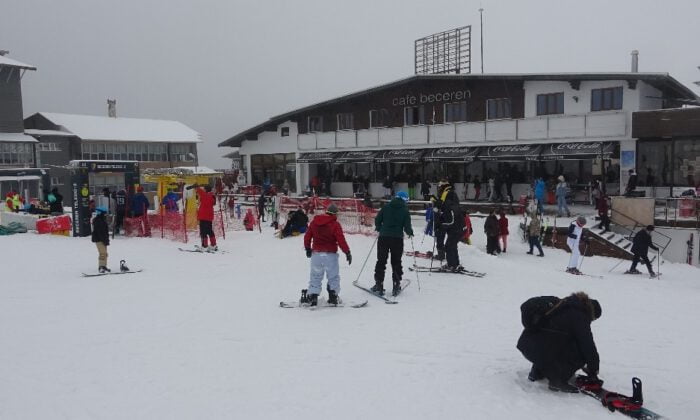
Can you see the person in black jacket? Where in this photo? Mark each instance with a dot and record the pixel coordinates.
(100, 236)
(262, 201)
(562, 342)
(425, 189)
(55, 202)
(492, 230)
(452, 223)
(640, 248)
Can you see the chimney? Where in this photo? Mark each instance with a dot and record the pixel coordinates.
(635, 61)
(112, 108)
(4, 52)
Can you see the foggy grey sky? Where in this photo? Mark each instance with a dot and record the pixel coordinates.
(223, 66)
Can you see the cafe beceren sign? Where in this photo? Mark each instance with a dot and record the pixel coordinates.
(429, 98)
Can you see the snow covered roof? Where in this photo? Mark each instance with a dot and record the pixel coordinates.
(39, 133)
(16, 138)
(91, 127)
(7, 61)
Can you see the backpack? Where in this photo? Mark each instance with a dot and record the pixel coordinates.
(533, 310)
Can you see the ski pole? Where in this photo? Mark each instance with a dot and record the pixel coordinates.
(658, 262)
(585, 249)
(365, 263)
(415, 263)
(432, 256)
(615, 266)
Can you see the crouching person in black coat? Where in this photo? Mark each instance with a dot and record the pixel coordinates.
(560, 342)
(100, 236)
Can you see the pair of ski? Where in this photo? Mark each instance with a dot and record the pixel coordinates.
(111, 273)
(463, 272)
(613, 401)
(323, 304)
(389, 300)
(202, 251)
(584, 275)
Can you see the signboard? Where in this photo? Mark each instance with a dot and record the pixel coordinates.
(402, 155)
(452, 154)
(511, 153)
(318, 157)
(577, 151)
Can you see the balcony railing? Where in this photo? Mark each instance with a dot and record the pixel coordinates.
(553, 127)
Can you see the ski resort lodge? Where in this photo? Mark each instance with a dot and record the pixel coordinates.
(467, 125)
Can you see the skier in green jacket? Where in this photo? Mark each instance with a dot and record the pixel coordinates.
(391, 223)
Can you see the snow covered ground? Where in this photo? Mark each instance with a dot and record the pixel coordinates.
(201, 336)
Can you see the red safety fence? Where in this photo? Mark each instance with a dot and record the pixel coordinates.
(353, 215)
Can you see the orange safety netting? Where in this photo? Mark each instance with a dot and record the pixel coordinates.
(353, 215)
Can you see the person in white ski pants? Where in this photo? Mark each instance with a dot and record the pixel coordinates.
(573, 241)
(324, 262)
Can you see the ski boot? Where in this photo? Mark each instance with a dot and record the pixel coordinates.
(304, 299)
(122, 266)
(199, 248)
(457, 269)
(378, 288)
(396, 289)
(562, 386)
(313, 299)
(103, 269)
(333, 297)
(213, 248)
(535, 374)
(633, 271)
(652, 274)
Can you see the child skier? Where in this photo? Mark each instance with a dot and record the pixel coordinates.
(321, 242)
(573, 241)
(249, 220)
(100, 236)
(205, 215)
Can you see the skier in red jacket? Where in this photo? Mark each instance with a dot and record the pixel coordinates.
(205, 215)
(503, 226)
(327, 235)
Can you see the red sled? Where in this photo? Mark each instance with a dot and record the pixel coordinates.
(53, 224)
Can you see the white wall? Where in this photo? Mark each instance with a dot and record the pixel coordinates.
(648, 97)
(677, 251)
(269, 142)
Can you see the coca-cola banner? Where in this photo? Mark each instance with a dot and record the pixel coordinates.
(401, 155)
(516, 152)
(319, 157)
(577, 151)
(452, 154)
(357, 156)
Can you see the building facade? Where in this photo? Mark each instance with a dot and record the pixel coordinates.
(518, 126)
(66, 137)
(18, 167)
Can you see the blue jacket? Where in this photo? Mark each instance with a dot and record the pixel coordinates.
(170, 201)
(139, 204)
(539, 189)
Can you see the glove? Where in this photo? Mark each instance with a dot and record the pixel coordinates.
(348, 257)
(308, 252)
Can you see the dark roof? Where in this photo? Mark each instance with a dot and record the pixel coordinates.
(669, 87)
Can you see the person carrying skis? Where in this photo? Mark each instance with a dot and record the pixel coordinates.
(561, 342)
(534, 230)
(492, 230)
(321, 242)
(205, 216)
(391, 223)
(573, 241)
(503, 230)
(640, 248)
(100, 237)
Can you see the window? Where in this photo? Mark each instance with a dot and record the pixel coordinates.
(414, 115)
(456, 111)
(181, 152)
(378, 118)
(498, 108)
(315, 124)
(48, 147)
(284, 132)
(345, 121)
(606, 99)
(550, 103)
(56, 181)
(16, 153)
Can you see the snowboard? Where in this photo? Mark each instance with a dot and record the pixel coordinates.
(387, 299)
(469, 273)
(629, 406)
(324, 304)
(111, 273)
